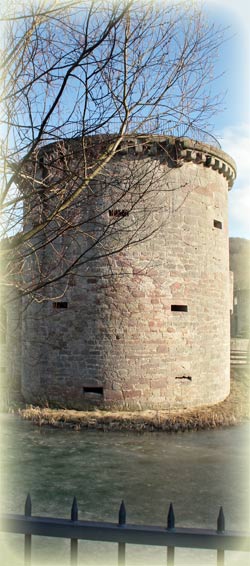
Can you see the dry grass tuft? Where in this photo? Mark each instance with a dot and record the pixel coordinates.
(234, 410)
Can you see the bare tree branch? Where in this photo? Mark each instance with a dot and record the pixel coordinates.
(80, 80)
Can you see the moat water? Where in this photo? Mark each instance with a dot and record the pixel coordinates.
(197, 471)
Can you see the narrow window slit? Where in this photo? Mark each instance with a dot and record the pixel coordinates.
(180, 308)
(60, 305)
(93, 390)
(218, 224)
(118, 213)
(41, 161)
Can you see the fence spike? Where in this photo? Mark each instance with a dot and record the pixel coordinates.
(171, 517)
(221, 521)
(74, 510)
(122, 514)
(28, 506)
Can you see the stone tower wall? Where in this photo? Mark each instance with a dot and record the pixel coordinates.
(149, 328)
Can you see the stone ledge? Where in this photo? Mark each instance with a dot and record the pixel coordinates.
(178, 150)
(210, 161)
(182, 150)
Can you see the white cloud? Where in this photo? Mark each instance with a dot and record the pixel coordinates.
(239, 9)
(236, 142)
(239, 212)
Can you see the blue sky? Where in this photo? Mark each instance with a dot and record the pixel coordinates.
(233, 123)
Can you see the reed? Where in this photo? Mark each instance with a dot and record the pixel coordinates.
(232, 411)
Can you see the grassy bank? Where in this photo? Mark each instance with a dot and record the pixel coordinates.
(234, 410)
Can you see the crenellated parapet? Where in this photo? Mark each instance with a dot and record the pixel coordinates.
(144, 320)
(209, 156)
(182, 150)
(51, 159)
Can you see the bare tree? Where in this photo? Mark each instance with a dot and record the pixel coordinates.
(88, 77)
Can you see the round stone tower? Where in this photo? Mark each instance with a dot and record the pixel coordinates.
(138, 326)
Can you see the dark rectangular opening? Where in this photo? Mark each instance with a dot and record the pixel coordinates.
(182, 308)
(95, 390)
(218, 224)
(60, 305)
(118, 213)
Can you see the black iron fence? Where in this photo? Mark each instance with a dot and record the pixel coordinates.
(123, 533)
(239, 357)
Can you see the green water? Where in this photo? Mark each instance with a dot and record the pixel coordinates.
(197, 471)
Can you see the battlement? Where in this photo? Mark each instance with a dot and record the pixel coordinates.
(173, 149)
(137, 326)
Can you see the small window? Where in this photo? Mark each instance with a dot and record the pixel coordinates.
(93, 390)
(60, 305)
(179, 308)
(42, 167)
(218, 224)
(118, 213)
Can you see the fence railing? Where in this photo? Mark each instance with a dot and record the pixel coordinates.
(239, 357)
(123, 533)
(158, 125)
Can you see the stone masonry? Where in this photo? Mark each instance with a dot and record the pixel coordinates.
(149, 328)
